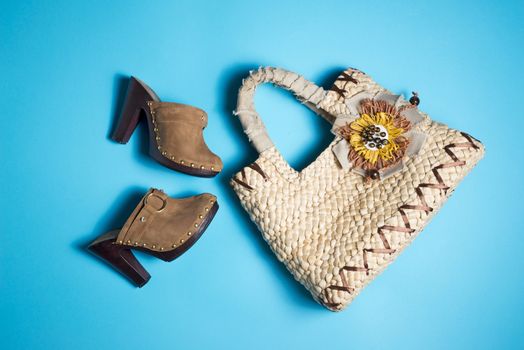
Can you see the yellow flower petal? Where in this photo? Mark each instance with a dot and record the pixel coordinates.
(367, 119)
(387, 152)
(357, 127)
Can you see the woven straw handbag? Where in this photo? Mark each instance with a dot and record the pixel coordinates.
(339, 222)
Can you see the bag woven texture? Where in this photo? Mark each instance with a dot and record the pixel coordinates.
(334, 231)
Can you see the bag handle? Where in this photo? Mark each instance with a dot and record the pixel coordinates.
(307, 92)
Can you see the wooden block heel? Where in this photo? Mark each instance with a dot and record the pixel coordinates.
(135, 105)
(120, 257)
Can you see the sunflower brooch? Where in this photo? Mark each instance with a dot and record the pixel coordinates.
(379, 137)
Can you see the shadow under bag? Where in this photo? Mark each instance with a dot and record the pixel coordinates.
(343, 219)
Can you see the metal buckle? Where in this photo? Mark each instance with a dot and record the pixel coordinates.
(152, 194)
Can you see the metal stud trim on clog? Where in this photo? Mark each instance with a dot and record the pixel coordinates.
(158, 139)
(196, 224)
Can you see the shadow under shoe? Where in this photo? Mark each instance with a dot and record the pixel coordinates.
(160, 226)
(176, 138)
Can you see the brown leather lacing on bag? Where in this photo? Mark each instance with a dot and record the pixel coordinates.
(243, 181)
(256, 168)
(422, 206)
(344, 77)
(259, 170)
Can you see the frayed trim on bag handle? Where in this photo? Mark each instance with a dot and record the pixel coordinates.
(307, 92)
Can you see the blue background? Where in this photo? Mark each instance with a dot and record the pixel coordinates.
(64, 66)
